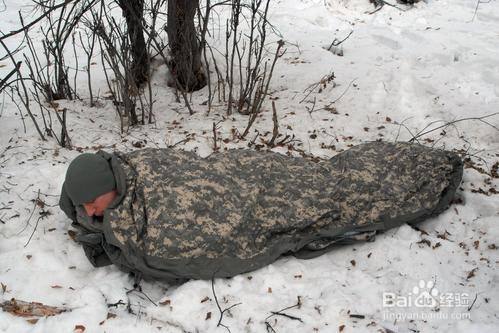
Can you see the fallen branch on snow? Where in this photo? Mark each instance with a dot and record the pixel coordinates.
(30, 309)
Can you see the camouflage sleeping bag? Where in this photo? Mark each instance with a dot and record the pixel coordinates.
(179, 216)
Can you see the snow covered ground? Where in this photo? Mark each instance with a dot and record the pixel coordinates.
(400, 71)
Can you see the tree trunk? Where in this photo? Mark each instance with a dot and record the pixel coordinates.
(185, 66)
(133, 11)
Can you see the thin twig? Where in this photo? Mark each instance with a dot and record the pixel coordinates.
(310, 110)
(401, 124)
(287, 316)
(280, 312)
(115, 305)
(269, 328)
(376, 10)
(179, 142)
(275, 131)
(218, 305)
(323, 81)
(476, 8)
(138, 290)
(337, 99)
(337, 43)
(32, 211)
(471, 306)
(215, 148)
(394, 6)
(481, 119)
(37, 201)
(34, 229)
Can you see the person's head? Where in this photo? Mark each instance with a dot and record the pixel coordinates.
(99, 204)
(90, 182)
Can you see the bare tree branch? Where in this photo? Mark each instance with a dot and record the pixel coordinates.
(45, 14)
(12, 72)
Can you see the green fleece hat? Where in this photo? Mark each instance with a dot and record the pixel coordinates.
(88, 176)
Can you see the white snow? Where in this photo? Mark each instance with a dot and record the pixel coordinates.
(436, 62)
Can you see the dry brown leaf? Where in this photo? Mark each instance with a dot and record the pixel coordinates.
(111, 315)
(165, 302)
(79, 329)
(437, 244)
(494, 171)
(208, 316)
(471, 273)
(424, 241)
(40, 203)
(205, 299)
(72, 234)
(56, 286)
(269, 290)
(32, 321)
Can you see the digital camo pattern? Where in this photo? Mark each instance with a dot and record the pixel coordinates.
(241, 205)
